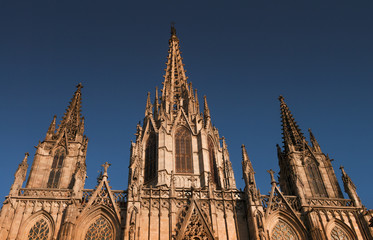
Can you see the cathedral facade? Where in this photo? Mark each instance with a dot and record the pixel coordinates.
(181, 184)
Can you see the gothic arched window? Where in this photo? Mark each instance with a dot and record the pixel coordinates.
(283, 231)
(40, 231)
(315, 180)
(338, 233)
(213, 166)
(56, 169)
(150, 158)
(183, 151)
(100, 230)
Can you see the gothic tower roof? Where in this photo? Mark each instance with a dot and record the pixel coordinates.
(72, 122)
(291, 133)
(176, 92)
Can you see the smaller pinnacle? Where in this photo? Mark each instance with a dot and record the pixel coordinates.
(281, 98)
(173, 29)
(79, 86)
(26, 156)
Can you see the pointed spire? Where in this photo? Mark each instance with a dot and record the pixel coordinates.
(24, 161)
(206, 111)
(19, 176)
(51, 129)
(197, 102)
(175, 87)
(156, 102)
(292, 135)
(249, 175)
(350, 188)
(314, 142)
(148, 108)
(72, 117)
(246, 163)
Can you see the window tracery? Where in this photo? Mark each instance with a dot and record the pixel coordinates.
(315, 180)
(56, 169)
(338, 233)
(100, 230)
(283, 231)
(150, 158)
(183, 151)
(213, 167)
(40, 231)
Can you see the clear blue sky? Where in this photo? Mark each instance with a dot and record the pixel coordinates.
(242, 55)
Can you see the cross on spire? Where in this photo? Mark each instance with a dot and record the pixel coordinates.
(106, 165)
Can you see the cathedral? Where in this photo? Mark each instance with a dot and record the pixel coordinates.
(181, 184)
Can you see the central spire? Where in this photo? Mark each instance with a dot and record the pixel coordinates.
(176, 93)
(292, 134)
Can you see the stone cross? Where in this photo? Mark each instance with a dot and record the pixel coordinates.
(106, 165)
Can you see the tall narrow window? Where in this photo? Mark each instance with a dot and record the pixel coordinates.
(40, 231)
(151, 158)
(183, 151)
(315, 180)
(213, 166)
(100, 230)
(55, 173)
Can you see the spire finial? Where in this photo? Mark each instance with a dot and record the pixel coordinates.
(79, 86)
(173, 29)
(106, 165)
(281, 98)
(271, 172)
(25, 158)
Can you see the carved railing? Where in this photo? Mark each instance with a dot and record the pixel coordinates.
(279, 203)
(120, 196)
(45, 193)
(186, 193)
(293, 202)
(329, 202)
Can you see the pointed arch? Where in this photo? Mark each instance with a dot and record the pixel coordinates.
(56, 168)
(100, 229)
(338, 230)
(212, 160)
(39, 226)
(183, 151)
(314, 178)
(151, 163)
(95, 219)
(282, 230)
(281, 222)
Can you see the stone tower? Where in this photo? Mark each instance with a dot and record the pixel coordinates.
(181, 182)
(57, 175)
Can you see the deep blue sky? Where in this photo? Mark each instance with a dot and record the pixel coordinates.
(318, 54)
